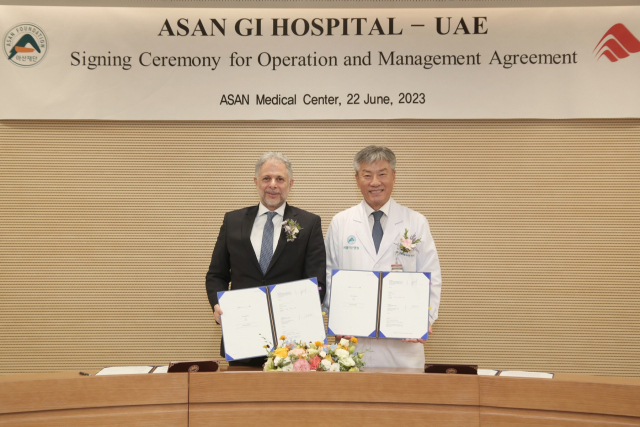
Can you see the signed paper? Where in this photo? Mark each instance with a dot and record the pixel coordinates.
(246, 325)
(525, 374)
(488, 372)
(354, 303)
(297, 312)
(404, 305)
(125, 370)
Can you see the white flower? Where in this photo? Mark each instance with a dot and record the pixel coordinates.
(344, 342)
(322, 354)
(326, 364)
(342, 353)
(335, 368)
(347, 361)
(288, 368)
(291, 229)
(277, 360)
(269, 366)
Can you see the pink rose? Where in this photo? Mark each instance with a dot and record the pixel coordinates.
(301, 365)
(314, 363)
(407, 243)
(299, 352)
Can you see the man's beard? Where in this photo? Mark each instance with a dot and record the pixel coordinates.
(270, 204)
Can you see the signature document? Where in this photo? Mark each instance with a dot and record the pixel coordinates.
(246, 323)
(378, 304)
(354, 303)
(297, 312)
(404, 305)
(256, 317)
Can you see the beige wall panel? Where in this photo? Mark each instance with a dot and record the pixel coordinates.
(106, 230)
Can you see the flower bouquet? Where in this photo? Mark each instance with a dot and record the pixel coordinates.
(302, 357)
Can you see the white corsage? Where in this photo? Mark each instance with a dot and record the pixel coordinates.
(291, 228)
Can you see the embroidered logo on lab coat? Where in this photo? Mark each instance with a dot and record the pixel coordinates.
(351, 241)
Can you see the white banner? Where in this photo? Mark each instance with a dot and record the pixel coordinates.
(251, 64)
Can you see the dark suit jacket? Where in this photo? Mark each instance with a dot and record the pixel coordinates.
(235, 261)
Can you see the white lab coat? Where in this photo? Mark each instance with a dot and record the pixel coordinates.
(349, 246)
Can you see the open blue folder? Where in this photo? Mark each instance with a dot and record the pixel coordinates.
(255, 317)
(377, 304)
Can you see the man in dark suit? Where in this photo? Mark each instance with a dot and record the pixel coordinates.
(252, 248)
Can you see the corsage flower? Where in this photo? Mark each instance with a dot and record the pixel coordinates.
(408, 244)
(291, 229)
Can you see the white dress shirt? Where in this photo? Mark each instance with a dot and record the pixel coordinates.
(258, 227)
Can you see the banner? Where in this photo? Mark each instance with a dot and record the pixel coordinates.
(284, 64)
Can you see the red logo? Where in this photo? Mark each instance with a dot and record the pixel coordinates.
(619, 45)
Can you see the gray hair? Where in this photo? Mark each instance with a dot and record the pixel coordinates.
(274, 156)
(374, 153)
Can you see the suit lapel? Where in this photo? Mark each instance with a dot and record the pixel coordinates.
(391, 230)
(289, 213)
(361, 222)
(247, 225)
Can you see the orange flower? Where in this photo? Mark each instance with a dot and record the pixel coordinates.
(354, 340)
(282, 337)
(318, 344)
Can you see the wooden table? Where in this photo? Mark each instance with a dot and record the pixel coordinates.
(376, 397)
(69, 399)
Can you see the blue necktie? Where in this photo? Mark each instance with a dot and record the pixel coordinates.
(266, 250)
(377, 229)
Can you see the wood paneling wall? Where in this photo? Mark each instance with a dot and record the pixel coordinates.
(106, 230)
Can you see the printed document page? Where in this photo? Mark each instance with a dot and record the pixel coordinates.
(246, 325)
(297, 312)
(404, 305)
(525, 374)
(354, 303)
(125, 370)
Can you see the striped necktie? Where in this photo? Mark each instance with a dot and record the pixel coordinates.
(266, 250)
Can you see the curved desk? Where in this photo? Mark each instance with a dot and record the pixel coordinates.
(391, 398)
(66, 399)
(375, 397)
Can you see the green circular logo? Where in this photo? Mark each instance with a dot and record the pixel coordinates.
(25, 44)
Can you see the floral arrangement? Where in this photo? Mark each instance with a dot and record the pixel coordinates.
(291, 228)
(303, 357)
(408, 244)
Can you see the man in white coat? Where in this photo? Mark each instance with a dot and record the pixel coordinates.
(366, 237)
